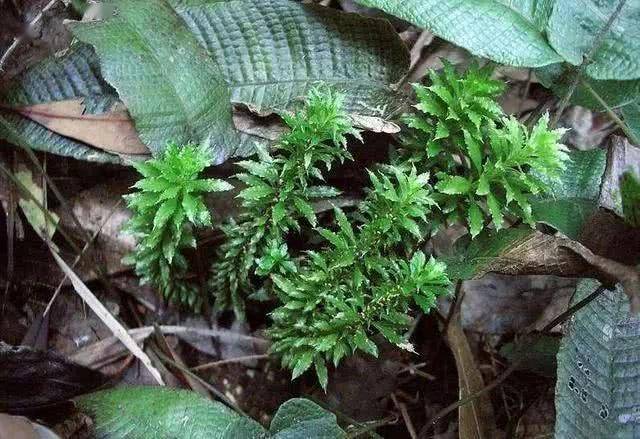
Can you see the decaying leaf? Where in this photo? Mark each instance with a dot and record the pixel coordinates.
(476, 419)
(112, 131)
(44, 224)
(518, 251)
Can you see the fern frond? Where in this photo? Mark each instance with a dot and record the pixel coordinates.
(358, 285)
(480, 160)
(280, 187)
(167, 206)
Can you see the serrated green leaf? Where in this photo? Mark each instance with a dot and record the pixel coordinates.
(495, 209)
(474, 25)
(476, 220)
(364, 343)
(321, 372)
(453, 185)
(256, 192)
(305, 210)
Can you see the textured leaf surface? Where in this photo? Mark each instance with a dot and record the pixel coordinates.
(272, 52)
(631, 114)
(298, 418)
(572, 197)
(506, 32)
(172, 88)
(614, 93)
(154, 412)
(281, 49)
(597, 392)
(574, 27)
(70, 76)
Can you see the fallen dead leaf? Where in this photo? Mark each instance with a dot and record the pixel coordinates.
(112, 131)
(476, 419)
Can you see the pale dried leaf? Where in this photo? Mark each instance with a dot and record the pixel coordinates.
(112, 131)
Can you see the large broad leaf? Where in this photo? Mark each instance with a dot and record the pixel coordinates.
(172, 88)
(597, 392)
(272, 52)
(154, 412)
(573, 197)
(574, 28)
(508, 32)
(72, 75)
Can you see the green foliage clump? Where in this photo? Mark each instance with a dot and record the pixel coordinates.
(167, 206)
(363, 283)
(480, 159)
(278, 194)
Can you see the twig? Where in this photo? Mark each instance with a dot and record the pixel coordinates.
(514, 366)
(18, 40)
(213, 364)
(405, 416)
(597, 42)
(99, 309)
(623, 126)
(208, 386)
(78, 257)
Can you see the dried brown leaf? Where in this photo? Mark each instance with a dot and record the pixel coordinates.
(476, 419)
(112, 131)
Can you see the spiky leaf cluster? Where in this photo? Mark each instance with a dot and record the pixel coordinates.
(166, 207)
(280, 189)
(362, 284)
(480, 159)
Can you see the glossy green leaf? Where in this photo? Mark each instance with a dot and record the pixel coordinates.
(153, 412)
(506, 32)
(301, 418)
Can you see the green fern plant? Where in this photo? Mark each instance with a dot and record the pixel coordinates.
(481, 160)
(167, 206)
(280, 189)
(363, 283)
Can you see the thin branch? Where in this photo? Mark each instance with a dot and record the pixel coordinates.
(623, 126)
(79, 256)
(213, 364)
(45, 212)
(597, 42)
